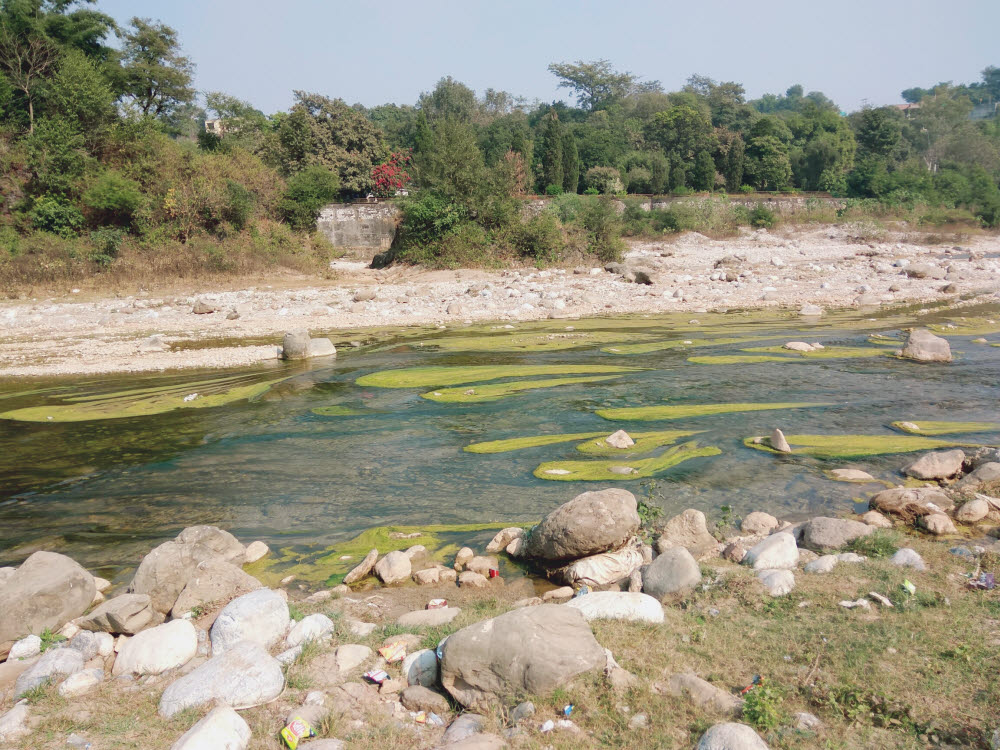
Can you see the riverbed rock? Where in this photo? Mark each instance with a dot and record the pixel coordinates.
(46, 591)
(973, 511)
(924, 346)
(14, 723)
(823, 564)
(310, 628)
(472, 579)
(936, 465)
(242, 677)
(688, 530)
(420, 698)
(758, 523)
(299, 345)
(427, 576)
(221, 729)
(986, 472)
(503, 539)
(673, 572)
(822, 533)
(777, 582)
(428, 618)
(166, 570)
(938, 524)
(778, 441)
(924, 271)
(851, 475)
(589, 524)
(25, 648)
(618, 605)
(350, 655)
(158, 649)
(912, 502)
(53, 663)
(908, 558)
(603, 569)
(421, 668)
(482, 565)
(527, 651)
(81, 683)
(463, 557)
(394, 567)
(731, 736)
(810, 310)
(776, 552)
(125, 614)
(213, 581)
(466, 726)
(798, 346)
(204, 307)
(255, 551)
(620, 440)
(362, 570)
(876, 519)
(260, 617)
(702, 694)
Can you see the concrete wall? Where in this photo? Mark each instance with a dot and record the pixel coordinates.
(363, 229)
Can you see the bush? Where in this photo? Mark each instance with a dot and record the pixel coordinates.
(762, 708)
(56, 215)
(606, 180)
(113, 199)
(307, 192)
(107, 244)
(239, 205)
(761, 217)
(604, 229)
(541, 238)
(554, 190)
(591, 191)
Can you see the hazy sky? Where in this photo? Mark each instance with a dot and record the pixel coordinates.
(389, 51)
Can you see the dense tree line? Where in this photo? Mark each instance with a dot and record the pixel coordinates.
(106, 143)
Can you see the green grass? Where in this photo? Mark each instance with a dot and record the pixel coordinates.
(687, 411)
(966, 327)
(600, 471)
(50, 639)
(423, 377)
(878, 544)
(853, 446)
(944, 428)
(497, 391)
(143, 402)
(738, 359)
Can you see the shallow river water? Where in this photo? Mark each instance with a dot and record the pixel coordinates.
(107, 488)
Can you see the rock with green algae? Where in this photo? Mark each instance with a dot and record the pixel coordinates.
(688, 411)
(850, 446)
(644, 442)
(621, 468)
(423, 377)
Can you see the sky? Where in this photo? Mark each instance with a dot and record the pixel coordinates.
(855, 51)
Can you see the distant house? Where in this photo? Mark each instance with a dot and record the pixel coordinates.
(907, 108)
(215, 127)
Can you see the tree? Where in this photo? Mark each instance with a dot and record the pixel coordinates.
(307, 192)
(79, 93)
(156, 76)
(392, 176)
(597, 85)
(878, 130)
(550, 152)
(735, 163)
(26, 59)
(452, 165)
(450, 99)
(767, 163)
(682, 130)
(571, 163)
(327, 132)
(703, 175)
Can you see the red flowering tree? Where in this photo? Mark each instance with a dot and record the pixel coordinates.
(392, 175)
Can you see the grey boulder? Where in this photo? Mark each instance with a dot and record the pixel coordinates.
(672, 572)
(911, 502)
(260, 617)
(589, 524)
(822, 533)
(53, 663)
(924, 346)
(126, 614)
(776, 552)
(688, 530)
(731, 736)
(221, 729)
(528, 651)
(936, 465)
(242, 677)
(213, 581)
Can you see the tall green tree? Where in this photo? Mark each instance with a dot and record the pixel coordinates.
(597, 84)
(27, 58)
(703, 174)
(767, 163)
(452, 165)
(450, 99)
(157, 77)
(735, 163)
(571, 163)
(550, 152)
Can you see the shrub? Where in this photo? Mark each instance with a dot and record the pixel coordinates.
(239, 205)
(880, 543)
(746, 188)
(307, 192)
(107, 244)
(541, 238)
(761, 217)
(56, 215)
(604, 228)
(554, 190)
(591, 191)
(606, 180)
(762, 708)
(114, 199)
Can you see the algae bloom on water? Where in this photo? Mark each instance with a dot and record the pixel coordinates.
(497, 391)
(623, 468)
(852, 446)
(944, 428)
(687, 411)
(423, 377)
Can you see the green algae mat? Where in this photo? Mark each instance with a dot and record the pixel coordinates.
(659, 346)
(759, 354)
(602, 471)
(497, 391)
(645, 441)
(142, 402)
(424, 377)
(541, 341)
(944, 428)
(688, 411)
(326, 566)
(853, 446)
(340, 411)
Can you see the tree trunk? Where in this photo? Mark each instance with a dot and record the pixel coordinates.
(31, 116)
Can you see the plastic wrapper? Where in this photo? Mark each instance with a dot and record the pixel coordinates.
(602, 569)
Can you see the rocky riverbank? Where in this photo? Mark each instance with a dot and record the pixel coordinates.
(82, 331)
(856, 631)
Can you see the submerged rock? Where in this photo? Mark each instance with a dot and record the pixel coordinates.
(924, 346)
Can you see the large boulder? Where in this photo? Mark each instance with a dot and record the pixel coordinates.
(394, 567)
(260, 617)
(822, 534)
(688, 530)
(166, 570)
(213, 581)
(618, 605)
(776, 552)
(362, 570)
(242, 677)
(702, 694)
(158, 649)
(46, 591)
(126, 614)
(936, 465)
(299, 345)
(421, 668)
(731, 736)
(673, 572)
(528, 651)
(221, 729)
(53, 663)
(589, 524)
(911, 502)
(923, 346)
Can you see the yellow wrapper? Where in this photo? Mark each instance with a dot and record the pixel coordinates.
(295, 731)
(395, 651)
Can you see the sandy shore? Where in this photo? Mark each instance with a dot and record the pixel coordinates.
(78, 333)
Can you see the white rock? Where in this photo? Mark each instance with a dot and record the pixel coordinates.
(421, 668)
(857, 604)
(260, 617)
(777, 551)
(25, 648)
(105, 644)
(620, 440)
(81, 683)
(351, 655)
(158, 649)
(731, 736)
(823, 564)
(618, 605)
(798, 346)
(309, 628)
(221, 729)
(256, 550)
(54, 662)
(777, 582)
(14, 723)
